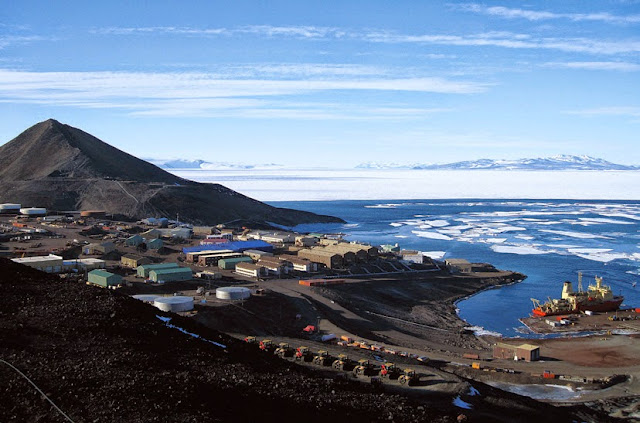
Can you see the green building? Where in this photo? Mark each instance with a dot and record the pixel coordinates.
(134, 241)
(170, 275)
(230, 263)
(154, 244)
(143, 271)
(104, 278)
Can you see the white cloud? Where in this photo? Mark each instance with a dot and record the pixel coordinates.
(199, 94)
(9, 40)
(512, 40)
(533, 15)
(606, 66)
(630, 111)
(494, 38)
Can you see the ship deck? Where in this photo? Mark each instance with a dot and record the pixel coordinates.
(629, 321)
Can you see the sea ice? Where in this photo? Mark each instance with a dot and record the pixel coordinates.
(518, 249)
(435, 255)
(581, 235)
(431, 235)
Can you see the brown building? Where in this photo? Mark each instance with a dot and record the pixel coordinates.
(329, 259)
(526, 352)
(348, 257)
(132, 261)
(349, 254)
(458, 265)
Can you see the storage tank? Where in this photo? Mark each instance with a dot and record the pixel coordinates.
(233, 293)
(10, 208)
(33, 211)
(146, 298)
(174, 304)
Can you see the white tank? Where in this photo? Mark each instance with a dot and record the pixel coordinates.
(9, 207)
(233, 293)
(174, 304)
(146, 298)
(33, 211)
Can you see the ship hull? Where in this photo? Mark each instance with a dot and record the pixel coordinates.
(539, 313)
(601, 306)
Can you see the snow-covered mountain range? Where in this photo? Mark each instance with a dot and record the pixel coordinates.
(201, 164)
(560, 162)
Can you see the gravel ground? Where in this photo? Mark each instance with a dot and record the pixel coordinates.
(104, 357)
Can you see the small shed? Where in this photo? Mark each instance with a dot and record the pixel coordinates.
(526, 352)
(170, 275)
(104, 278)
(155, 244)
(133, 261)
(134, 241)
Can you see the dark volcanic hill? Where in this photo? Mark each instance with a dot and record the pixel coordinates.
(102, 356)
(63, 168)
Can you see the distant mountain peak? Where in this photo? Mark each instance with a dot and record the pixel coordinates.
(557, 162)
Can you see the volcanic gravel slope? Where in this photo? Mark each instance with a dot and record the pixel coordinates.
(61, 167)
(105, 357)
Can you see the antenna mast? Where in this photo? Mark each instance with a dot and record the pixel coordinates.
(579, 281)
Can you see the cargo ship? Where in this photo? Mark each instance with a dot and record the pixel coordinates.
(598, 297)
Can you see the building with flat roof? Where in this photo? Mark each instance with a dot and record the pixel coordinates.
(458, 265)
(250, 270)
(49, 264)
(412, 256)
(300, 264)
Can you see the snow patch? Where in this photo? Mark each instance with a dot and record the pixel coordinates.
(458, 402)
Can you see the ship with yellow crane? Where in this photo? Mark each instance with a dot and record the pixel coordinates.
(598, 297)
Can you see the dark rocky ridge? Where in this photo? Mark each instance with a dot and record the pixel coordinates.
(104, 357)
(63, 168)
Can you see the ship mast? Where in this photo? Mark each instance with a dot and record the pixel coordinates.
(579, 281)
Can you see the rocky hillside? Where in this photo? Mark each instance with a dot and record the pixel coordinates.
(101, 356)
(63, 168)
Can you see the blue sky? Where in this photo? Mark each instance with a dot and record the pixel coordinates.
(332, 83)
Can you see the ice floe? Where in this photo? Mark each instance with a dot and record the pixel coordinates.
(518, 249)
(435, 255)
(581, 235)
(431, 235)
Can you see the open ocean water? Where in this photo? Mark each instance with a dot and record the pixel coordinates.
(550, 241)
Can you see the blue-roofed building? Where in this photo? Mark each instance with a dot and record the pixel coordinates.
(235, 246)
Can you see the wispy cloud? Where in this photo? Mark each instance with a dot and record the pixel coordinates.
(629, 111)
(201, 94)
(605, 66)
(493, 38)
(534, 15)
(9, 40)
(513, 41)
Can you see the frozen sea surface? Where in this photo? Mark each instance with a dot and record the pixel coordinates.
(396, 184)
(512, 235)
